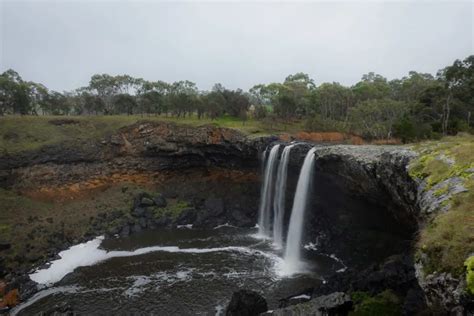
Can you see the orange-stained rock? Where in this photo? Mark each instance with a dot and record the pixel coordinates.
(390, 141)
(11, 299)
(330, 137)
(285, 137)
(356, 140)
(3, 285)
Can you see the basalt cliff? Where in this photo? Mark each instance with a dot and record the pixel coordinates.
(366, 207)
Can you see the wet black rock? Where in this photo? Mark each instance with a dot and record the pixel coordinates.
(136, 228)
(143, 200)
(215, 206)
(63, 309)
(164, 221)
(242, 216)
(142, 222)
(396, 273)
(337, 303)
(205, 219)
(4, 245)
(187, 216)
(160, 200)
(3, 270)
(138, 211)
(125, 231)
(246, 303)
(297, 298)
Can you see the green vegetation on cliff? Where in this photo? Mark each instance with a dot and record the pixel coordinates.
(448, 238)
(33, 226)
(470, 274)
(385, 303)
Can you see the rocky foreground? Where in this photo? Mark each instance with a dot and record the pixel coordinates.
(368, 210)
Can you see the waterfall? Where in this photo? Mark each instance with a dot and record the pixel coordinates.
(267, 193)
(293, 241)
(279, 199)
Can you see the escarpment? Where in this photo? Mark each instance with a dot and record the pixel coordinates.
(142, 147)
(365, 207)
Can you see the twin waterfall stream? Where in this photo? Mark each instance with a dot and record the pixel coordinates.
(183, 271)
(272, 205)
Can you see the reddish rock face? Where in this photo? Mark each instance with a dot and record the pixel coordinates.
(10, 299)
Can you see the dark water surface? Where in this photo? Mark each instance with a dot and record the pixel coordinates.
(198, 281)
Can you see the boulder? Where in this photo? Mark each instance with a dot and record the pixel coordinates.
(160, 200)
(444, 290)
(138, 211)
(125, 231)
(146, 201)
(396, 273)
(143, 200)
(246, 303)
(187, 216)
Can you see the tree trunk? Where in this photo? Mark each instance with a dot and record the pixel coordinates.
(446, 112)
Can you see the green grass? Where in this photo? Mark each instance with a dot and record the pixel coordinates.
(385, 303)
(448, 238)
(173, 209)
(20, 133)
(28, 223)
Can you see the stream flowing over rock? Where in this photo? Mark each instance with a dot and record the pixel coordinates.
(360, 218)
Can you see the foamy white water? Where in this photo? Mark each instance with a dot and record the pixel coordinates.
(267, 193)
(42, 294)
(292, 260)
(88, 254)
(279, 199)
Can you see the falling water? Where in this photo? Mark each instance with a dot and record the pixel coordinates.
(266, 197)
(279, 199)
(293, 241)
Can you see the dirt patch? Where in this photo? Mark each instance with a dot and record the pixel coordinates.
(59, 122)
(330, 137)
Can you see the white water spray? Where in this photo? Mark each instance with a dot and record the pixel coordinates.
(279, 199)
(292, 263)
(267, 193)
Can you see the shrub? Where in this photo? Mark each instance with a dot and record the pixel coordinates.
(470, 274)
(385, 303)
(319, 124)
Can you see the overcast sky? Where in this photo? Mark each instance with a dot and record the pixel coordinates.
(62, 43)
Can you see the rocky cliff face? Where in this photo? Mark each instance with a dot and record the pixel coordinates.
(144, 146)
(365, 205)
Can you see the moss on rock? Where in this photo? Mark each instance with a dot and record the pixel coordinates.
(470, 274)
(384, 303)
(448, 237)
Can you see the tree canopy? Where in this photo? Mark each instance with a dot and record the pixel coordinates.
(416, 106)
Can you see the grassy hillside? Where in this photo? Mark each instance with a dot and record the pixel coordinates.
(31, 132)
(448, 239)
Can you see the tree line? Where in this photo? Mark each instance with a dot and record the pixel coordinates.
(416, 106)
